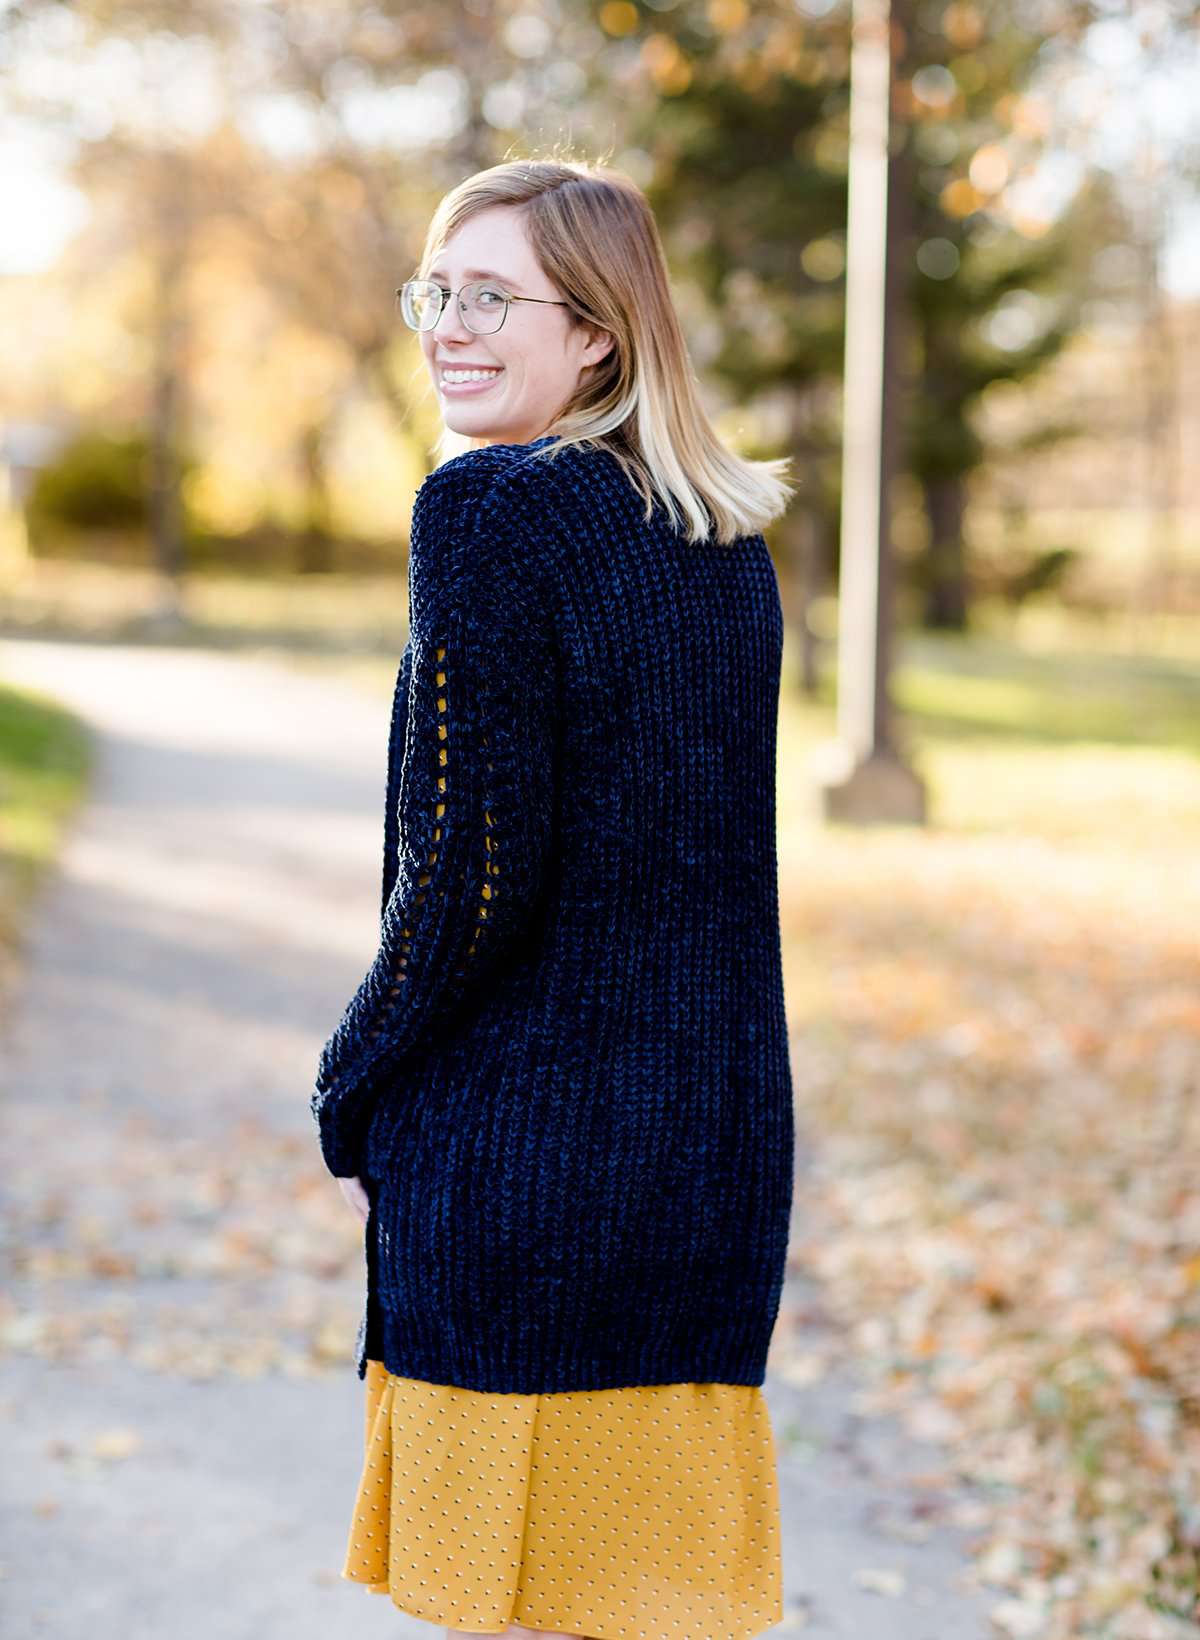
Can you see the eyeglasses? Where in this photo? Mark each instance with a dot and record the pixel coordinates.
(484, 307)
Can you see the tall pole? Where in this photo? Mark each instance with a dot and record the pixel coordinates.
(861, 774)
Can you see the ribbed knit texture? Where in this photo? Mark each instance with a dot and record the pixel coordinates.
(564, 1079)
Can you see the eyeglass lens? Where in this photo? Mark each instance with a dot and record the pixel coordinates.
(482, 306)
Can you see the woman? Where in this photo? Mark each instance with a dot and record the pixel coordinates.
(561, 1096)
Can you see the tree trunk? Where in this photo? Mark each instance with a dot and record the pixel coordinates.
(167, 388)
(1159, 362)
(166, 532)
(315, 554)
(946, 592)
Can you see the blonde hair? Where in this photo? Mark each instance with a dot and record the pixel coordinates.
(595, 237)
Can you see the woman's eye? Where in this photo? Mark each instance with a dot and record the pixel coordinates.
(489, 293)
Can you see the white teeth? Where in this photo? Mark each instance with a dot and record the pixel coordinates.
(468, 375)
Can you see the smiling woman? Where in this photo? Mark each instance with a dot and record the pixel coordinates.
(552, 278)
(480, 324)
(563, 1085)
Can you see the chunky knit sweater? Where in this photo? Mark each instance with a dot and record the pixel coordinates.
(564, 1079)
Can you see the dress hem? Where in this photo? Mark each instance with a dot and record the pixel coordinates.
(560, 1628)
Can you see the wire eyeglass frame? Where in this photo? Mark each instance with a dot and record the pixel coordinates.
(404, 298)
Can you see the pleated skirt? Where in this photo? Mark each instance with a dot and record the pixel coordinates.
(648, 1513)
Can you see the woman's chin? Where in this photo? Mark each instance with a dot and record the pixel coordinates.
(485, 434)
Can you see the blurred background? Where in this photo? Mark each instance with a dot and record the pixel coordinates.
(212, 426)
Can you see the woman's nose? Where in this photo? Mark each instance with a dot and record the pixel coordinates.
(450, 320)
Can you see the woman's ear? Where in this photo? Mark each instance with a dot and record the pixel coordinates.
(600, 344)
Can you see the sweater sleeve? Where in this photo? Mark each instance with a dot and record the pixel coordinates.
(473, 804)
(397, 733)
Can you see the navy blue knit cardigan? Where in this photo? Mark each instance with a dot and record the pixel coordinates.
(564, 1079)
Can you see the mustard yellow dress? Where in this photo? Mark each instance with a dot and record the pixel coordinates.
(649, 1513)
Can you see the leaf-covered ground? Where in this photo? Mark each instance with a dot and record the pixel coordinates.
(997, 1049)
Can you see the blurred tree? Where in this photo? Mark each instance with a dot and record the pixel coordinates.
(405, 102)
(1140, 85)
(277, 165)
(94, 482)
(992, 297)
(307, 146)
(746, 118)
(155, 191)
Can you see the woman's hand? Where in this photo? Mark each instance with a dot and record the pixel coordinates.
(354, 1192)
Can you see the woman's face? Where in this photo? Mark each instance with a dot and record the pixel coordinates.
(537, 354)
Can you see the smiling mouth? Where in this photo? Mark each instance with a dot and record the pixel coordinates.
(455, 377)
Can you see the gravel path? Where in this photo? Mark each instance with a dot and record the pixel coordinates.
(182, 1426)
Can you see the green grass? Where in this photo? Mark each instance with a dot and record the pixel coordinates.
(1053, 737)
(985, 687)
(45, 760)
(1038, 684)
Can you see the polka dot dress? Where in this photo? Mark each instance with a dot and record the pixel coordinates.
(648, 1513)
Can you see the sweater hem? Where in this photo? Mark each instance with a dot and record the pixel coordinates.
(532, 1365)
